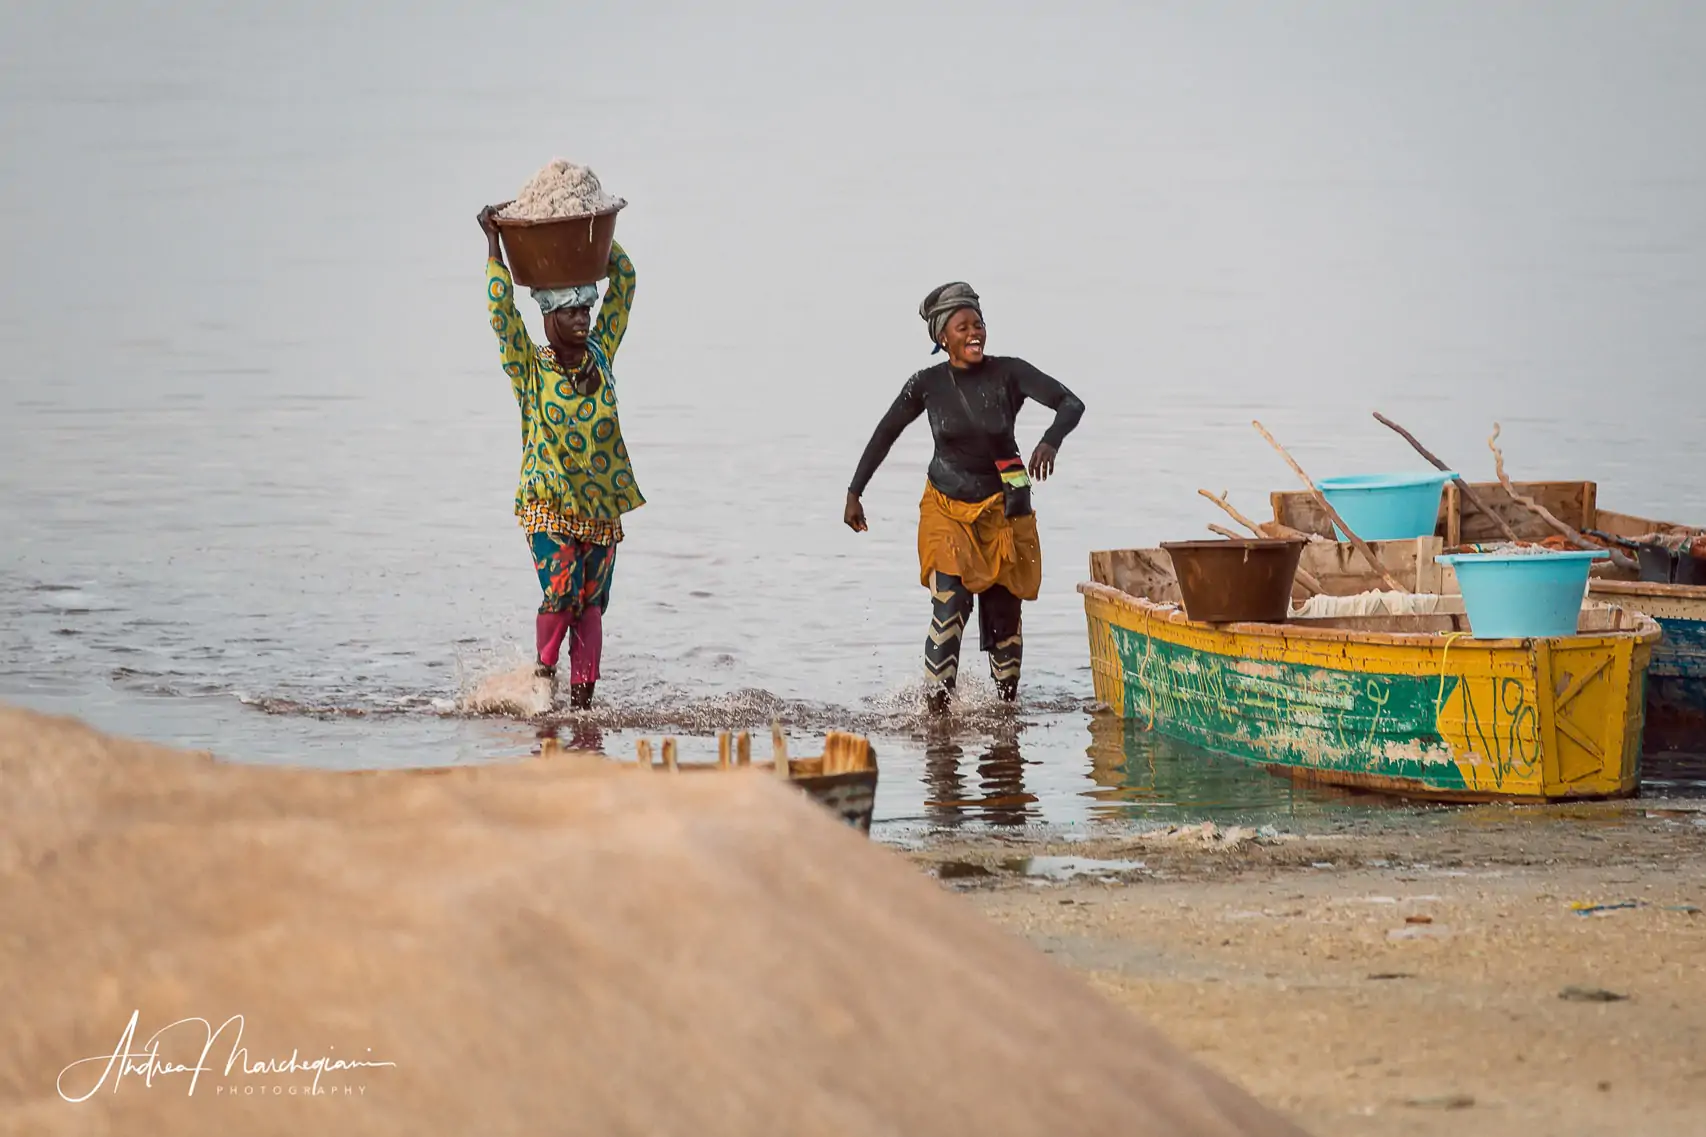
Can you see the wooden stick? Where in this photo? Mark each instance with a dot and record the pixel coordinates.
(669, 755)
(1276, 529)
(1321, 500)
(723, 750)
(1233, 513)
(1260, 528)
(1227, 533)
(779, 744)
(1621, 560)
(644, 749)
(1469, 495)
(743, 748)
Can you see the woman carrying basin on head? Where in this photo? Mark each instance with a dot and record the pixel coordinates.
(576, 480)
(977, 535)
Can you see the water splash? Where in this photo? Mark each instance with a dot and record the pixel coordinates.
(518, 692)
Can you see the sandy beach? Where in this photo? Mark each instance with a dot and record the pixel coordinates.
(1435, 981)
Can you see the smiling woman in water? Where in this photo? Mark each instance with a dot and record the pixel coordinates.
(977, 534)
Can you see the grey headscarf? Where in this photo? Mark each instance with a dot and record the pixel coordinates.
(942, 303)
(575, 296)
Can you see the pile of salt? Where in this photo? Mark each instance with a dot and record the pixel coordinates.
(561, 189)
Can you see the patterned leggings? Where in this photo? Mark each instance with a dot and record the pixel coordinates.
(999, 633)
(575, 577)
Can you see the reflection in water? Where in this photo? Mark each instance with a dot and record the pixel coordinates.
(1002, 798)
(1140, 774)
(1673, 774)
(575, 735)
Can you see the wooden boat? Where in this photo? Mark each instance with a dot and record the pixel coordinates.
(1409, 705)
(843, 778)
(1676, 680)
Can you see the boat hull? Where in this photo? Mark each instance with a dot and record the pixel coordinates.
(851, 796)
(1427, 716)
(1676, 678)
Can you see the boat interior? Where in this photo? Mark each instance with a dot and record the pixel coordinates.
(1351, 599)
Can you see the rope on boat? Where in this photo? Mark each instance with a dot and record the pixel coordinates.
(1439, 699)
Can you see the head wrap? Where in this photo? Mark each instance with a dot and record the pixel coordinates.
(942, 303)
(577, 296)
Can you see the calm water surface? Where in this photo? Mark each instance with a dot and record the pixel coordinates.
(256, 453)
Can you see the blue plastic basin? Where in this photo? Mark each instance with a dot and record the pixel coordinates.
(1387, 507)
(1517, 595)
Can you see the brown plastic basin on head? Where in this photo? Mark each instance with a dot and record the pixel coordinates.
(561, 252)
(1224, 582)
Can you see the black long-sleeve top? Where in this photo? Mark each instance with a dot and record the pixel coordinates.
(971, 434)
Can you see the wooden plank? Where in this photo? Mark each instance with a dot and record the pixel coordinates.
(1687, 600)
(1436, 624)
(1580, 770)
(846, 753)
(1546, 692)
(1451, 506)
(1578, 684)
(1141, 572)
(1630, 525)
(1341, 571)
(1570, 502)
(1302, 512)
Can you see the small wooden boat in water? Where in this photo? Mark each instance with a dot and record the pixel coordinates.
(1675, 715)
(1402, 704)
(843, 778)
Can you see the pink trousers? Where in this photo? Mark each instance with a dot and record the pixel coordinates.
(585, 636)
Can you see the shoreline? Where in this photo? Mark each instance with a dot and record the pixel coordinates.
(1395, 979)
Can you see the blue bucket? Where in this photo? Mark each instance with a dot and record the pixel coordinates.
(1387, 507)
(1523, 595)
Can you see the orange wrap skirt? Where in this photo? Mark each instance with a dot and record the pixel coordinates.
(977, 542)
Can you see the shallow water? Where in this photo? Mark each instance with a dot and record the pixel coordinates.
(256, 454)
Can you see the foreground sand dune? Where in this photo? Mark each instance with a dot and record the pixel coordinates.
(550, 947)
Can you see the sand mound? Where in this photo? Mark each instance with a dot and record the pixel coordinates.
(557, 946)
(561, 189)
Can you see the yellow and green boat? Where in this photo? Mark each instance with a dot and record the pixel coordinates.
(1676, 681)
(1409, 705)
